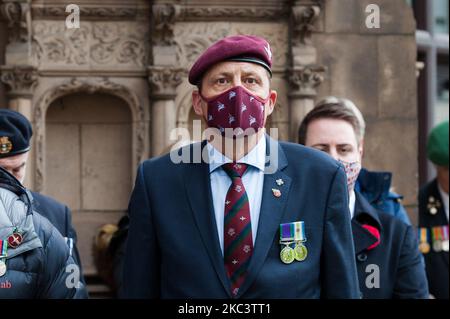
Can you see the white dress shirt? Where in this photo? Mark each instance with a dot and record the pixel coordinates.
(444, 197)
(253, 180)
(352, 203)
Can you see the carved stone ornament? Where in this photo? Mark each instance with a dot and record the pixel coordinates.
(164, 81)
(92, 11)
(20, 79)
(18, 17)
(95, 44)
(228, 13)
(304, 80)
(164, 17)
(303, 19)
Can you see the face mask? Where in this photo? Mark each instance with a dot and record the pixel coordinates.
(352, 170)
(236, 108)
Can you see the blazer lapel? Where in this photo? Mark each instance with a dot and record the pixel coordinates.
(272, 210)
(198, 188)
(362, 238)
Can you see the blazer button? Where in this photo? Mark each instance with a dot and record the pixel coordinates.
(361, 257)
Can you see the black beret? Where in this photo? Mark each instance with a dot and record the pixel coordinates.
(15, 133)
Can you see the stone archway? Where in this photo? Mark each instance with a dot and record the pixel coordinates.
(88, 85)
(88, 162)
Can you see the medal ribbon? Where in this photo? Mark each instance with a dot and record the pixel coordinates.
(436, 233)
(423, 235)
(3, 248)
(445, 232)
(287, 232)
(299, 234)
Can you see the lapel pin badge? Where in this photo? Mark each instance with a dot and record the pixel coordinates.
(276, 192)
(279, 182)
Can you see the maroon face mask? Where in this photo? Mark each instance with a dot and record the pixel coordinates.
(236, 108)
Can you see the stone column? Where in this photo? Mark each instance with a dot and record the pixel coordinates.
(164, 75)
(163, 84)
(20, 82)
(304, 75)
(303, 80)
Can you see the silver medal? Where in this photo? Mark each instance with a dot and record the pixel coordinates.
(2, 268)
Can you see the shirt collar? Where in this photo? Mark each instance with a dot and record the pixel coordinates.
(256, 157)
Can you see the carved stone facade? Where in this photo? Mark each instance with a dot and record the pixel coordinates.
(140, 52)
(19, 79)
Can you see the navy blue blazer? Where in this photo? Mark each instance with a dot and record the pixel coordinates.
(400, 271)
(436, 262)
(173, 247)
(60, 217)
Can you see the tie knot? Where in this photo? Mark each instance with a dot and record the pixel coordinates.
(235, 169)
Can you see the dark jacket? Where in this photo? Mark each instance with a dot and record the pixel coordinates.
(397, 258)
(375, 187)
(60, 217)
(436, 263)
(43, 269)
(173, 248)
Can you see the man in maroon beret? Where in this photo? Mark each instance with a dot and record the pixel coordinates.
(257, 219)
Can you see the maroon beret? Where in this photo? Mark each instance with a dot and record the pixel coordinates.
(242, 48)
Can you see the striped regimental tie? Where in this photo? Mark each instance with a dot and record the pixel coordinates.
(238, 242)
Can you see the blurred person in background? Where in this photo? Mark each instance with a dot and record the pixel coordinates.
(433, 214)
(15, 144)
(35, 262)
(388, 260)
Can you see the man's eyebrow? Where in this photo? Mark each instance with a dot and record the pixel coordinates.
(319, 144)
(344, 144)
(251, 72)
(226, 73)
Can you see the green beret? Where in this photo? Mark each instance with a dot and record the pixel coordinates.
(437, 146)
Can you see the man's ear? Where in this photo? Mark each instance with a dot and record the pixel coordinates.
(361, 148)
(197, 103)
(272, 102)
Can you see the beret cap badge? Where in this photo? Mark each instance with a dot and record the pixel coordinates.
(5, 145)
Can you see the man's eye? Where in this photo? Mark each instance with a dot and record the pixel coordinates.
(251, 81)
(221, 81)
(321, 148)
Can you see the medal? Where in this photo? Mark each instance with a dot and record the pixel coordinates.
(437, 243)
(445, 238)
(433, 205)
(424, 246)
(2, 268)
(3, 253)
(293, 233)
(287, 254)
(300, 252)
(299, 237)
(15, 240)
